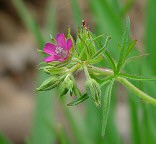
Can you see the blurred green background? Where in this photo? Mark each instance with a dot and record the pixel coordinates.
(44, 118)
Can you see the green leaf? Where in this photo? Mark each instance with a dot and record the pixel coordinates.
(130, 48)
(97, 60)
(108, 56)
(96, 37)
(124, 45)
(79, 100)
(106, 106)
(101, 51)
(106, 80)
(131, 59)
(4, 140)
(135, 77)
(110, 59)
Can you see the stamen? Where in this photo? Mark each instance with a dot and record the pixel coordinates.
(60, 51)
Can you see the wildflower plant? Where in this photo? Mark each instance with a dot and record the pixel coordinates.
(67, 56)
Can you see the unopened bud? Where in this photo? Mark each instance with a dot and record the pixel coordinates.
(67, 85)
(48, 84)
(93, 90)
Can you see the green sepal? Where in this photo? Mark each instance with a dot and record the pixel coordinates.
(85, 44)
(97, 60)
(66, 85)
(79, 100)
(63, 92)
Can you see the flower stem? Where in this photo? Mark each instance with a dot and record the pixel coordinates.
(86, 71)
(74, 68)
(140, 93)
(125, 82)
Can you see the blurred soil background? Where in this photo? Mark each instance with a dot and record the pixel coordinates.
(19, 59)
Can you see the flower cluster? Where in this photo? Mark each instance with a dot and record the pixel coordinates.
(66, 57)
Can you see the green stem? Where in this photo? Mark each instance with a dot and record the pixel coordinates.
(140, 93)
(74, 68)
(102, 71)
(125, 82)
(86, 71)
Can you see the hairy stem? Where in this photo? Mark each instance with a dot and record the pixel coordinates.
(140, 93)
(108, 72)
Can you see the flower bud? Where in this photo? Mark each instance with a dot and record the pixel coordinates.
(49, 84)
(67, 85)
(85, 43)
(93, 90)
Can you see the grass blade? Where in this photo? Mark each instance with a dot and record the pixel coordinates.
(151, 32)
(45, 101)
(29, 20)
(51, 18)
(126, 8)
(4, 140)
(77, 13)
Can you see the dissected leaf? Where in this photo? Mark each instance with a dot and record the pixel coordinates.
(106, 80)
(129, 49)
(124, 46)
(135, 77)
(110, 60)
(101, 51)
(97, 60)
(131, 59)
(106, 106)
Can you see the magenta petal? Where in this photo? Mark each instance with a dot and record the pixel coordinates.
(61, 40)
(69, 44)
(49, 48)
(52, 58)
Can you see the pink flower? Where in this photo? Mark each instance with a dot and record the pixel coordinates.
(59, 52)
